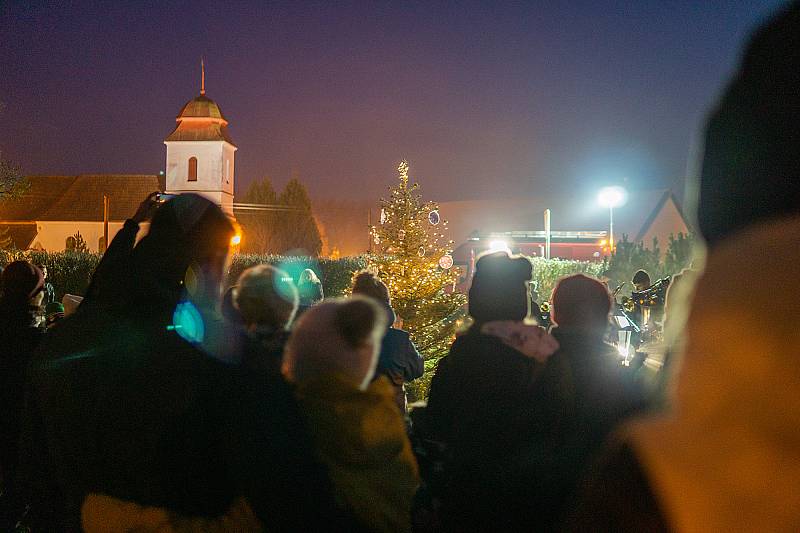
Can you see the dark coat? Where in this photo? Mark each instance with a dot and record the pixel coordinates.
(484, 405)
(617, 497)
(399, 360)
(18, 339)
(483, 395)
(262, 350)
(120, 405)
(587, 395)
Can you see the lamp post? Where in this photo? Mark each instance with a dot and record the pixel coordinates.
(612, 197)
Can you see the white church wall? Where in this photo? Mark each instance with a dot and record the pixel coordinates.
(215, 170)
(52, 235)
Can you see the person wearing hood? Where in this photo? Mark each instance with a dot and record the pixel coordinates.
(266, 299)
(485, 403)
(309, 290)
(22, 286)
(399, 359)
(726, 456)
(126, 407)
(357, 429)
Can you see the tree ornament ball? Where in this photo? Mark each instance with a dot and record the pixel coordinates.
(401, 234)
(421, 251)
(446, 262)
(434, 218)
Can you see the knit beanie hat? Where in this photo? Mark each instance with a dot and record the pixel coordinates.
(327, 338)
(266, 296)
(499, 288)
(22, 280)
(581, 302)
(751, 171)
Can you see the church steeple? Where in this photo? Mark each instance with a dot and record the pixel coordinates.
(202, 77)
(200, 153)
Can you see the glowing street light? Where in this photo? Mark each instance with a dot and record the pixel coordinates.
(612, 197)
(499, 246)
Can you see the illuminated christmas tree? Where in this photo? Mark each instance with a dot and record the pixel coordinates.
(413, 259)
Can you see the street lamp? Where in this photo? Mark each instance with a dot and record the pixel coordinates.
(612, 197)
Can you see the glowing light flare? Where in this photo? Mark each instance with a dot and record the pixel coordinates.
(236, 240)
(499, 246)
(611, 197)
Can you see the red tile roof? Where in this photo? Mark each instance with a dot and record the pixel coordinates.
(80, 198)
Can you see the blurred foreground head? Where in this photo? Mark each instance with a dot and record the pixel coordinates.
(22, 284)
(266, 296)
(581, 302)
(189, 240)
(499, 288)
(338, 336)
(751, 165)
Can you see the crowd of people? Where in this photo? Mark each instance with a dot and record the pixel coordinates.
(169, 402)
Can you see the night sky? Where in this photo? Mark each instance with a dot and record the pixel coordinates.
(484, 99)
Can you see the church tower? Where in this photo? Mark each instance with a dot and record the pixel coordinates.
(200, 153)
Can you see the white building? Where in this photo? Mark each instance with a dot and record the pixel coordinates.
(200, 153)
(200, 159)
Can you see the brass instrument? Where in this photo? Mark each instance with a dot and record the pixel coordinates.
(654, 295)
(628, 304)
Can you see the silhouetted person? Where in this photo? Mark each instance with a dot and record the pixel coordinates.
(484, 404)
(309, 290)
(266, 299)
(126, 404)
(22, 286)
(591, 392)
(49, 291)
(725, 458)
(357, 429)
(399, 359)
(641, 280)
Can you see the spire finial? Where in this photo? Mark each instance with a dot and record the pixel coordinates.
(202, 77)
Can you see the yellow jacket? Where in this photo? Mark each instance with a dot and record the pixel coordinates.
(360, 436)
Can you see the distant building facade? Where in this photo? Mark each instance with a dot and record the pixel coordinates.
(200, 158)
(579, 228)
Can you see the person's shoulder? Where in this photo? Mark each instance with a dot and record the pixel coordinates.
(398, 335)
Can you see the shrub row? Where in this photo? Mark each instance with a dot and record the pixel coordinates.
(69, 272)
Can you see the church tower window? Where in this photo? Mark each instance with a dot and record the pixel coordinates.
(192, 169)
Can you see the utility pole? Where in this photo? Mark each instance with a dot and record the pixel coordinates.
(547, 234)
(105, 223)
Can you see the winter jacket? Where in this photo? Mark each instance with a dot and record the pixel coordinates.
(726, 457)
(399, 360)
(484, 407)
(149, 419)
(360, 437)
(586, 395)
(263, 350)
(104, 514)
(18, 339)
(483, 396)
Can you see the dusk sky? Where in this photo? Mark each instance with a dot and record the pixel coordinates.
(484, 99)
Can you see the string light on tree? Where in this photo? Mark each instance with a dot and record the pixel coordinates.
(412, 245)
